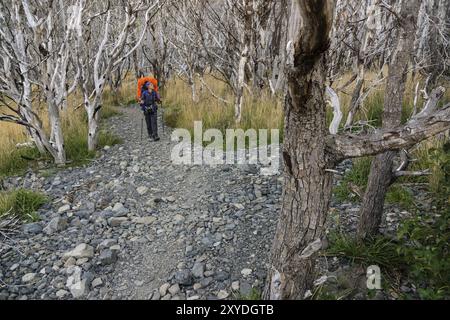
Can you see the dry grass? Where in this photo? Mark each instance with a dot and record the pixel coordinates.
(264, 112)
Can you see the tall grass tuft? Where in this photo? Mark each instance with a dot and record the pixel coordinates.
(21, 203)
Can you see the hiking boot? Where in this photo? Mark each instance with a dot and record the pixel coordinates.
(156, 139)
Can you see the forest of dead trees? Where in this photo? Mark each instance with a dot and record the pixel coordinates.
(298, 50)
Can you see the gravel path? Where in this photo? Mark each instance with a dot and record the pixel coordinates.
(132, 225)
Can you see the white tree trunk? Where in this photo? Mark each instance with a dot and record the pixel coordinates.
(57, 134)
(240, 85)
(93, 133)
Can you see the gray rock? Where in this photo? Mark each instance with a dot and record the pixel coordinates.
(184, 277)
(61, 293)
(70, 262)
(55, 225)
(142, 190)
(198, 269)
(96, 282)
(79, 289)
(223, 294)
(174, 289)
(245, 289)
(205, 282)
(222, 276)
(139, 283)
(76, 222)
(117, 221)
(178, 219)
(32, 228)
(106, 244)
(144, 220)
(197, 286)
(29, 277)
(14, 266)
(83, 250)
(169, 199)
(163, 289)
(156, 295)
(246, 272)
(208, 241)
(64, 208)
(108, 256)
(119, 210)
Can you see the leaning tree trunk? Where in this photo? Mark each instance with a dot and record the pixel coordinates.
(381, 173)
(308, 186)
(37, 141)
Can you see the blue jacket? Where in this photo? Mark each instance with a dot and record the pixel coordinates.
(149, 100)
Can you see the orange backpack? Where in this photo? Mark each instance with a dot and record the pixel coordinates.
(142, 81)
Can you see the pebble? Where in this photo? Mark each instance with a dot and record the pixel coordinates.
(28, 277)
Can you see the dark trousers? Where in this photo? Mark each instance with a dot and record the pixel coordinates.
(152, 124)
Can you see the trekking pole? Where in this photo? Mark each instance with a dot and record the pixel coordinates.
(162, 118)
(142, 125)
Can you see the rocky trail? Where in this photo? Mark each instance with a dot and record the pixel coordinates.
(132, 225)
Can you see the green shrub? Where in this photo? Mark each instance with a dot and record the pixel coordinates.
(420, 252)
(76, 144)
(400, 195)
(378, 251)
(357, 176)
(21, 203)
(425, 248)
(255, 294)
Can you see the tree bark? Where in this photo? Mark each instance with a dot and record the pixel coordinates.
(57, 133)
(93, 117)
(246, 45)
(381, 172)
(308, 186)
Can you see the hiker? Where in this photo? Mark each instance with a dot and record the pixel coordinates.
(148, 101)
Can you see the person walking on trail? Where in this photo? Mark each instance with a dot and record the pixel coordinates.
(149, 105)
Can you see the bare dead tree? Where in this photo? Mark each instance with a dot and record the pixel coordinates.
(35, 52)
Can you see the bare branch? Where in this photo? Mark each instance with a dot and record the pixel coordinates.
(416, 130)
